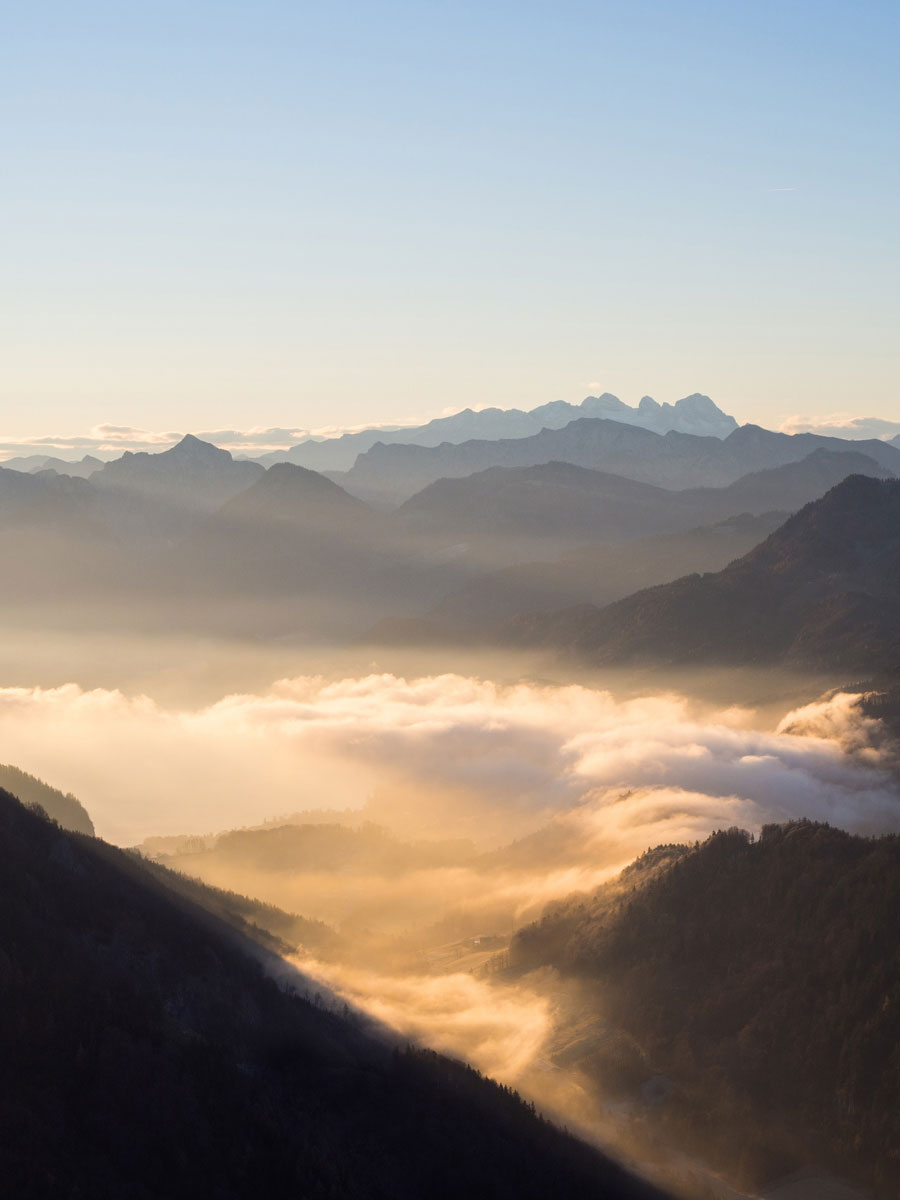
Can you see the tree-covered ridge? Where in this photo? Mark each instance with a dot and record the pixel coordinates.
(60, 806)
(763, 977)
(281, 931)
(147, 1052)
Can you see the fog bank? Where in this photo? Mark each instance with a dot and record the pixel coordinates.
(451, 755)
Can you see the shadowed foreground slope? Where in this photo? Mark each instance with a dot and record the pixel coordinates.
(144, 1052)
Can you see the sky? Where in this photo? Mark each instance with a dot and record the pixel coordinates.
(235, 215)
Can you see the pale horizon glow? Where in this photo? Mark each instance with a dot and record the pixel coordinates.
(110, 441)
(231, 216)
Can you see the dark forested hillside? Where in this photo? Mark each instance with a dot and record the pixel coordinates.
(145, 1052)
(763, 979)
(59, 806)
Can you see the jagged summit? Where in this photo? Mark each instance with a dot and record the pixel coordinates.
(696, 413)
(193, 446)
(698, 402)
(192, 472)
(693, 414)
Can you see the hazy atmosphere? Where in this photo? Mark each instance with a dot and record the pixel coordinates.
(450, 657)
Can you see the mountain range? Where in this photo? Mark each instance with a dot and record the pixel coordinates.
(694, 414)
(821, 592)
(588, 574)
(512, 512)
(32, 463)
(192, 538)
(389, 474)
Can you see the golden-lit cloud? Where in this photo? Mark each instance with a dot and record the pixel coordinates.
(490, 759)
(842, 425)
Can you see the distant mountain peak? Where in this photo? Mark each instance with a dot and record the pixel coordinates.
(194, 448)
(288, 491)
(698, 402)
(695, 414)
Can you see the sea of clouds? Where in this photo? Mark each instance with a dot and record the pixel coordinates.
(463, 755)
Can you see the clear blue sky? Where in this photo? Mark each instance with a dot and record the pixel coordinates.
(234, 214)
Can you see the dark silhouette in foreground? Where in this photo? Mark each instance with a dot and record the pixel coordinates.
(147, 1051)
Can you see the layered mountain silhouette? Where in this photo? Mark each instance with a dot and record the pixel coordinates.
(151, 1048)
(53, 532)
(694, 414)
(153, 532)
(300, 552)
(591, 574)
(31, 463)
(822, 592)
(753, 980)
(193, 476)
(292, 527)
(514, 511)
(389, 474)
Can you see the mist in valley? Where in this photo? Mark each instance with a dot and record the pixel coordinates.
(385, 721)
(428, 817)
(266, 685)
(443, 751)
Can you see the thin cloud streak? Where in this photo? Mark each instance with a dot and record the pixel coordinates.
(107, 440)
(842, 425)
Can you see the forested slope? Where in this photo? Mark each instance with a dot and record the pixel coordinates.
(145, 1052)
(764, 979)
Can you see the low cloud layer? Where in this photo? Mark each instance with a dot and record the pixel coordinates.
(110, 441)
(450, 755)
(502, 1031)
(842, 425)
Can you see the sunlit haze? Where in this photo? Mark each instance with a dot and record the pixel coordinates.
(450, 618)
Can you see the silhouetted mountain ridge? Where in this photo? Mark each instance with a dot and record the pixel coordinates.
(193, 474)
(392, 473)
(692, 414)
(822, 592)
(146, 1050)
(512, 510)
